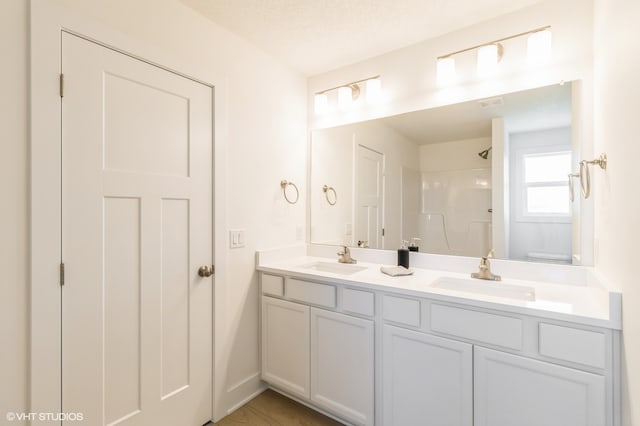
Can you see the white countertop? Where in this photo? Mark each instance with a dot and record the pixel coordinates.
(590, 303)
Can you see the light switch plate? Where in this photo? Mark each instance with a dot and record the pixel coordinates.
(236, 238)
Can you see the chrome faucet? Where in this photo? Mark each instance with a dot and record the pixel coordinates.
(484, 269)
(344, 256)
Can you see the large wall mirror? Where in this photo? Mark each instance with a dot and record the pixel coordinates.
(460, 179)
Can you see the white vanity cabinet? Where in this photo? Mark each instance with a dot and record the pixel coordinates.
(342, 369)
(446, 364)
(513, 390)
(428, 380)
(317, 354)
(417, 359)
(285, 345)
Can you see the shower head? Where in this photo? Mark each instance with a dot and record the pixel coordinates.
(484, 154)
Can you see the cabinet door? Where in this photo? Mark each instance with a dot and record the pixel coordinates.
(342, 368)
(512, 390)
(285, 345)
(427, 380)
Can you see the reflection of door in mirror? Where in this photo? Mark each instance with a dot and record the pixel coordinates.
(369, 197)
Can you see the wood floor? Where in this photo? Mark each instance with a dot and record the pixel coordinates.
(272, 409)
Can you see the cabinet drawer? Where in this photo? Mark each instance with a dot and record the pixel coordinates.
(273, 285)
(401, 310)
(480, 326)
(572, 344)
(314, 293)
(357, 302)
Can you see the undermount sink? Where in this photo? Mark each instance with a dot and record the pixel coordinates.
(334, 267)
(486, 288)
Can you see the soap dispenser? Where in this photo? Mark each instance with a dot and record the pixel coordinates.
(414, 244)
(403, 255)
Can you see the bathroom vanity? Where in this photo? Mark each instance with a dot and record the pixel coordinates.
(438, 347)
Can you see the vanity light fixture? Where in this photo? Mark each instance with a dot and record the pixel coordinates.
(348, 94)
(490, 53)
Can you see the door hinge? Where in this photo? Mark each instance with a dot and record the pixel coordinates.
(61, 273)
(62, 85)
(383, 232)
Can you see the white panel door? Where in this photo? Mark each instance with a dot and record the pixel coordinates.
(427, 380)
(137, 224)
(342, 365)
(513, 390)
(369, 197)
(285, 345)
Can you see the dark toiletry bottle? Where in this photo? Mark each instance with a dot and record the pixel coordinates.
(414, 244)
(403, 255)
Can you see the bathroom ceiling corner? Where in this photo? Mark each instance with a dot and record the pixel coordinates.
(314, 37)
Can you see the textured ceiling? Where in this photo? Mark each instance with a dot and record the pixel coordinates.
(315, 36)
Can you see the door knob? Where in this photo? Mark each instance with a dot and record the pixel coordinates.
(206, 270)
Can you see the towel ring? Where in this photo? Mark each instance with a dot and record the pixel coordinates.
(326, 189)
(283, 185)
(571, 190)
(585, 178)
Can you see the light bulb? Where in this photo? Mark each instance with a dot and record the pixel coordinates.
(539, 47)
(446, 71)
(488, 58)
(321, 103)
(374, 90)
(345, 97)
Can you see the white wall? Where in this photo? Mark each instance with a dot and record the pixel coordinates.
(617, 68)
(332, 165)
(14, 209)
(266, 142)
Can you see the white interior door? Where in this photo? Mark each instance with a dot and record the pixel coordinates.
(369, 197)
(137, 224)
